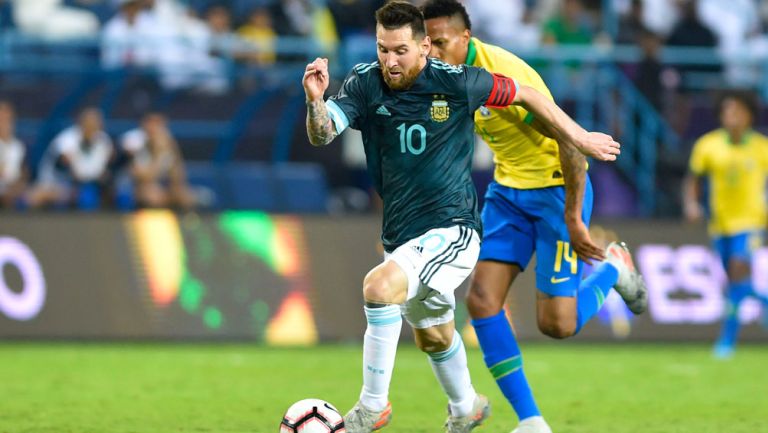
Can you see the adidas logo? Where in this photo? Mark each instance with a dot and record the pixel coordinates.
(383, 111)
(418, 249)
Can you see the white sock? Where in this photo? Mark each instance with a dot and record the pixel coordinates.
(379, 349)
(451, 370)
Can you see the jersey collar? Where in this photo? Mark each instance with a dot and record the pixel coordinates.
(744, 137)
(471, 52)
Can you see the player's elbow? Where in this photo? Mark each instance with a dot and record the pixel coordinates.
(523, 95)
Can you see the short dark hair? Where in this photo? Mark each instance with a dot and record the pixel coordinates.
(446, 8)
(744, 97)
(398, 14)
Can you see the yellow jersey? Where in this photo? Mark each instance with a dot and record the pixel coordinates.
(737, 180)
(524, 158)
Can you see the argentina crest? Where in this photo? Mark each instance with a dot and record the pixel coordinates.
(440, 111)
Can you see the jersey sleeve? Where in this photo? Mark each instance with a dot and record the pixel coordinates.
(491, 90)
(347, 108)
(698, 164)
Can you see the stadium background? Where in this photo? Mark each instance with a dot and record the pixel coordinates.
(285, 232)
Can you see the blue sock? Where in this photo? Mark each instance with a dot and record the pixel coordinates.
(730, 329)
(502, 356)
(592, 293)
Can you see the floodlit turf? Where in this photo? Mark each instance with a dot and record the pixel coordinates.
(156, 388)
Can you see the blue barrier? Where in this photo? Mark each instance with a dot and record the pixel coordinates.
(284, 188)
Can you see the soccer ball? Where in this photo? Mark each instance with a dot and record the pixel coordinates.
(312, 416)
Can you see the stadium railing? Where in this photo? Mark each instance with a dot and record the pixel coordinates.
(604, 99)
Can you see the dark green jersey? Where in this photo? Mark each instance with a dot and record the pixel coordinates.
(418, 143)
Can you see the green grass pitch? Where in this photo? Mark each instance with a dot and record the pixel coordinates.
(161, 388)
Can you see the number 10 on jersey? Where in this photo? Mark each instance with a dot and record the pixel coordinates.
(407, 138)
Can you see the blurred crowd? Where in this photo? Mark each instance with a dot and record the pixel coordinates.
(83, 168)
(191, 42)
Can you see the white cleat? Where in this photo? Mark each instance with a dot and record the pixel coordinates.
(360, 419)
(481, 410)
(630, 284)
(534, 424)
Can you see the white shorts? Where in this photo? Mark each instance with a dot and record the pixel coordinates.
(436, 263)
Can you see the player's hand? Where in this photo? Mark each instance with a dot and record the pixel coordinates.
(582, 244)
(599, 146)
(693, 212)
(316, 79)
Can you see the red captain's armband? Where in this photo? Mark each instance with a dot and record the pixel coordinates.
(502, 93)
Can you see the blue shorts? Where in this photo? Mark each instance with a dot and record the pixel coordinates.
(517, 222)
(739, 246)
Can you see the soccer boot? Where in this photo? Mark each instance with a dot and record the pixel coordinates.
(481, 409)
(534, 424)
(723, 351)
(630, 284)
(360, 419)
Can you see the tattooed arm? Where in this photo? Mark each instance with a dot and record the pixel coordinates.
(573, 164)
(320, 128)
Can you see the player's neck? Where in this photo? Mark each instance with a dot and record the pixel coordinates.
(423, 63)
(737, 136)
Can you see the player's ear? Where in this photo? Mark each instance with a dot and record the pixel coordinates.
(425, 46)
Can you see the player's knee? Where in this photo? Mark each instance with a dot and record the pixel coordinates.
(434, 342)
(481, 303)
(377, 287)
(557, 327)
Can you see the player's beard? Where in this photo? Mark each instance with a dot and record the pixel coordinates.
(403, 82)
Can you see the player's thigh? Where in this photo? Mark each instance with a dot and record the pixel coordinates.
(488, 288)
(558, 268)
(739, 249)
(508, 231)
(435, 269)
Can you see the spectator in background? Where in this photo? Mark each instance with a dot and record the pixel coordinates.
(74, 169)
(12, 173)
(631, 25)
(156, 165)
(689, 32)
(648, 77)
(130, 38)
(50, 19)
(292, 17)
(737, 26)
(571, 27)
(506, 24)
(260, 34)
(354, 17)
(223, 41)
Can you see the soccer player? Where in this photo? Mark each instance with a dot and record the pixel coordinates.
(416, 119)
(735, 159)
(540, 200)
